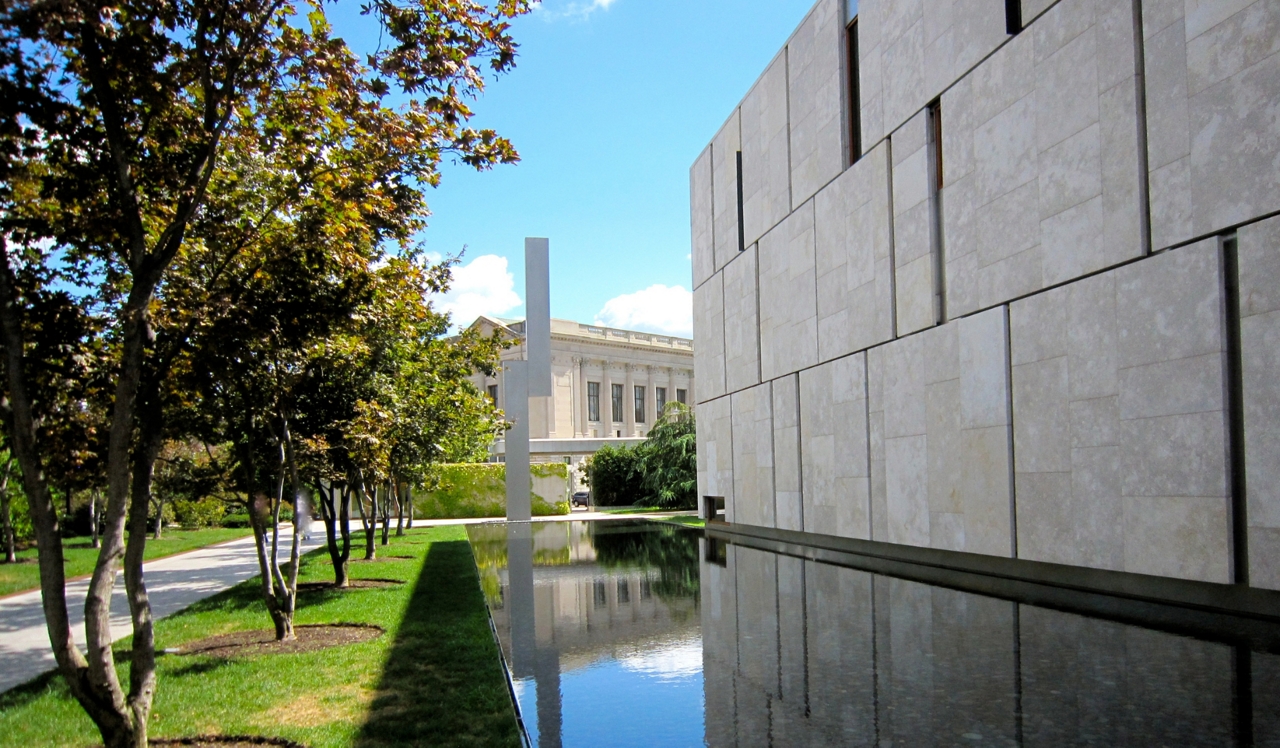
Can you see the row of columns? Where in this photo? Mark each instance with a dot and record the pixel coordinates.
(582, 422)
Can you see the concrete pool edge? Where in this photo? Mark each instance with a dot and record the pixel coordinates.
(1216, 611)
(502, 658)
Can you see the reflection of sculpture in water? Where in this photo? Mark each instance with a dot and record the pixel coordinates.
(577, 595)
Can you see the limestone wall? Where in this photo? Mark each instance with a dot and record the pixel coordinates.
(1034, 315)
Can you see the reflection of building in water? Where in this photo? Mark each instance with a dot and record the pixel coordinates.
(585, 610)
(815, 654)
(558, 607)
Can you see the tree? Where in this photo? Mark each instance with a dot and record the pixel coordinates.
(668, 462)
(6, 514)
(119, 115)
(662, 471)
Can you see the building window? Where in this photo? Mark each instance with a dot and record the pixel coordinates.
(493, 394)
(617, 403)
(1012, 16)
(593, 401)
(624, 592)
(639, 403)
(601, 596)
(660, 398)
(855, 91)
(682, 396)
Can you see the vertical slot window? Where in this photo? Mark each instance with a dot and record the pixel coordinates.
(616, 396)
(854, 92)
(593, 401)
(742, 227)
(660, 398)
(934, 135)
(493, 394)
(639, 403)
(682, 396)
(1012, 16)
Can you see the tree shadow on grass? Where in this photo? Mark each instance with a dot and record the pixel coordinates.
(442, 684)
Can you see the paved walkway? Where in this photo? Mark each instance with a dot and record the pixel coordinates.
(173, 583)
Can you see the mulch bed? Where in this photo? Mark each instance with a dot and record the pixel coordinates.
(227, 741)
(352, 584)
(263, 641)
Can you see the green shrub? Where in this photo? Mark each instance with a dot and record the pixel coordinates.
(662, 471)
(20, 515)
(474, 490)
(613, 473)
(206, 512)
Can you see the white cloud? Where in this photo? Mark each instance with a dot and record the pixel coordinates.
(658, 308)
(578, 9)
(482, 286)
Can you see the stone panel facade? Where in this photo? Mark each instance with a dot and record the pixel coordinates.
(752, 424)
(1041, 173)
(788, 296)
(1213, 80)
(1260, 349)
(1120, 429)
(1008, 326)
(833, 435)
(741, 322)
(854, 253)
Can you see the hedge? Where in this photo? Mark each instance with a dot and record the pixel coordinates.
(477, 490)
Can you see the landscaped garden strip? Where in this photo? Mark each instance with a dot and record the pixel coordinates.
(433, 679)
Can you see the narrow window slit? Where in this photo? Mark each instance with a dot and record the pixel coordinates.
(934, 153)
(742, 229)
(1012, 16)
(855, 96)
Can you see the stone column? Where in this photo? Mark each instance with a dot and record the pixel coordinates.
(606, 400)
(584, 420)
(629, 405)
(651, 396)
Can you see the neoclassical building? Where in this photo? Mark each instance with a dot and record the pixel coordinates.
(610, 384)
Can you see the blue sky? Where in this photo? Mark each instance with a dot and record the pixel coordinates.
(610, 103)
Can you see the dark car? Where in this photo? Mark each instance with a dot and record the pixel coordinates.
(581, 498)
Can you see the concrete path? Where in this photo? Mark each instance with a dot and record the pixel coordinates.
(173, 583)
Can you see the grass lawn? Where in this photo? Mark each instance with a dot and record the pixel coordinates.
(79, 557)
(632, 509)
(684, 519)
(434, 679)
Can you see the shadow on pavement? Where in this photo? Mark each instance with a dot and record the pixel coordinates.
(442, 684)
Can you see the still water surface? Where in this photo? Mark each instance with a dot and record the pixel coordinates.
(624, 633)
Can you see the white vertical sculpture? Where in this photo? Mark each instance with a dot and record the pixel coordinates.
(528, 378)
(537, 318)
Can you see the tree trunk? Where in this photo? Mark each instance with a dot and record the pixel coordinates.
(369, 519)
(6, 517)
(399, 511)
(159, 520)
(93, 519)
(408, 499)
(388, 497)
(329, 513)
(295, 560)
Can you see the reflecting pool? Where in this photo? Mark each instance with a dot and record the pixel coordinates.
(641, 633)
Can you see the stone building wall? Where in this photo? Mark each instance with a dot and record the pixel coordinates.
(1032, 312)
